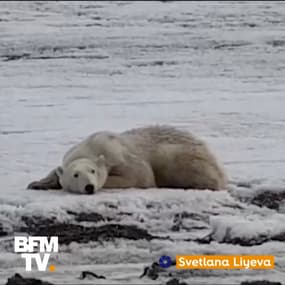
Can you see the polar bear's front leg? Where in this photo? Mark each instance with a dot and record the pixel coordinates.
(126, 182)
(138, 174)
(119, 182)
(51, 181)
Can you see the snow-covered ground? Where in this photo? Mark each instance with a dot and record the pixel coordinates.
(68, 69)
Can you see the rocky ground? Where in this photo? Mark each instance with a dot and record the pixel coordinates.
(170, 227)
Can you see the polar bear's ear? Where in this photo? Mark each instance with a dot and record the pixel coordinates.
(100, 161)
(59, 171)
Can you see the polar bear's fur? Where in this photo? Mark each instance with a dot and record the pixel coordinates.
(156, 156)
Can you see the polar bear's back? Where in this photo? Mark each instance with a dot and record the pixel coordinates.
(148, 141)
(143, 142)
(161, 135)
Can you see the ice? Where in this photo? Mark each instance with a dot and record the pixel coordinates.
(215, 69)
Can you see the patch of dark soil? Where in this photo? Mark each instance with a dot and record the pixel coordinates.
(245, 242)
(94, 25)
(260, 282)
(67, 233)
(279, 237)
(244, 184)
(84, 274)
(15, 132)
(16, 56)
(175, 281)
(71, 57)
(230, 45)
(94, 217)
(276, 43)
(152, 271)
(111, 206)
(154, 63)
(87, 217)
(17, 279)
(46, 57)
(269, 199)
(251, 25)
(3, 232)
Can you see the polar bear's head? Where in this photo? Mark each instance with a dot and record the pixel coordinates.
(83, 176)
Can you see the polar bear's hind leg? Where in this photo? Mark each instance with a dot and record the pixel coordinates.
(181, 167)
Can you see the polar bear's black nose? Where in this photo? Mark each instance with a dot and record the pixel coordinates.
(89, 188)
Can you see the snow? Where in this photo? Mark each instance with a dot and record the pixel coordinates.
(215, 69)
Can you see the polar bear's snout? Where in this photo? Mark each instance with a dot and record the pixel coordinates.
(89, 188)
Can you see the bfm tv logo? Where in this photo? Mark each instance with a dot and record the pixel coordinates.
(28, 245)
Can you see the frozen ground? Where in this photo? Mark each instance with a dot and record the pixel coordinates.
(69, 69)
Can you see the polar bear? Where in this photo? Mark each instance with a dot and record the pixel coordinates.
(154, 156)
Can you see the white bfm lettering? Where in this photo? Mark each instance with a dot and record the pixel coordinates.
(29, 245)
(21, 244)
(24, 244)
(51, 246)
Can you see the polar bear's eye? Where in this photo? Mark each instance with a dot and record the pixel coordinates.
(75, 175)
(92, 171)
